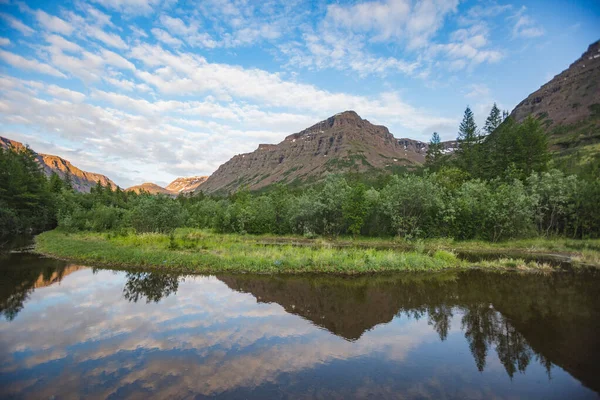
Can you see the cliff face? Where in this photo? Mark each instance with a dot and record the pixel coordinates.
(569, 104)
(149, 187)
(82, 181)
(342, 143)
(186, 185)
(179, 185)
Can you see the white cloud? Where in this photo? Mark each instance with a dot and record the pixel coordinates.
(328, 49)
(414, 23)
(67, 94)
(96, 16)
(138, 32)
(478, 90)
(4, 41)
(63, 44)
(165, 37)
(116, 60)
(110, 39)
(20, 62)
(53, 24)
(17, 24)
(525, 26)
(189, 33)
(129, 6)
(467, 47)
(190, 74)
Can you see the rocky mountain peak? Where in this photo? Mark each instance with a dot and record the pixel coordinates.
(186, 184)
(344, 142)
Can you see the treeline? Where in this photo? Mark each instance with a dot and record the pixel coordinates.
(27, 203)
(443, 203)
(496, 186)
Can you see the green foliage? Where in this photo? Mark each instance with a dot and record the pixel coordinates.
(493, 121)
(556, 205)
(157, 214)
(413, 205)
(520, 147)
(468, 140)
(434, 152)
(355, 208)
(496, 189)
(25, 194)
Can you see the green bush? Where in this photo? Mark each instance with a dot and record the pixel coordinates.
(157, 214)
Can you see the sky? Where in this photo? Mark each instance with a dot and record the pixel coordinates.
(150, 90)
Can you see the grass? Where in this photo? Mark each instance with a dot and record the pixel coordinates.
(197, 251)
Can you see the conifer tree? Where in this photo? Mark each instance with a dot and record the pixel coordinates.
(434, 152)
(468, 139)
(493, 121)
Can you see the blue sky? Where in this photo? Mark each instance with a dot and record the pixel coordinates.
(148, 90)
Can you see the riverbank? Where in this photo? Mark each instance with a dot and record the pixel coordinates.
(197, 251)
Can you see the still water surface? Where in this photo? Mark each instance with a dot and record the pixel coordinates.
(69, 331)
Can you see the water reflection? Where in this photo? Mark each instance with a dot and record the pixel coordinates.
(104, 334)
(559, 313)
(150, 285)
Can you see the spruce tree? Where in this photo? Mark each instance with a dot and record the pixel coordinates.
(493, 121)
(434, 152)
(468, 138)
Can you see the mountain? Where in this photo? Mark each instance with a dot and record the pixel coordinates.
(149, 187)
(569, 108)
(342, 143)
(82, 181)
(179, 185)
(186, 185)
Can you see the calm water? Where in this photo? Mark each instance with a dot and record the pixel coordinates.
(69, 331)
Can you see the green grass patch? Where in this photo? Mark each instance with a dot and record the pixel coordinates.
(198, 251)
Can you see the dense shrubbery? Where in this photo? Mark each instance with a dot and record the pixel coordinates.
(518, 197)
(548, 203)
(26, 197)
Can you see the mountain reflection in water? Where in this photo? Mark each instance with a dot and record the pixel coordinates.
(71, 331)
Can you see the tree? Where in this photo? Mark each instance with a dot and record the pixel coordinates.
(354, 208)
(434, 152)
(56, 184)
(468, 139)
(512, 147)
(493, 121)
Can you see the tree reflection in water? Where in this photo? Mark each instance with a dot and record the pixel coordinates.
(550, 318)
(150, 285)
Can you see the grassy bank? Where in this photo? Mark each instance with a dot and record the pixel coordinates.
(191, 250)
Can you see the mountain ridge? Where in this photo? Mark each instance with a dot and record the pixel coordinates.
(82, 181)
(568, 106)
(344, 142)
(179, 185)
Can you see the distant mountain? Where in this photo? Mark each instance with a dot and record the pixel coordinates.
(82, 181)
(569, 108)
(342, 143)
(186, 185)
(179, 185)
(149, 187)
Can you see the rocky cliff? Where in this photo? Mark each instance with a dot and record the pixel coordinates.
(149, 187)
(82, 180)
(186, 185)
(342, 143)
(569, 105)
(179, 185)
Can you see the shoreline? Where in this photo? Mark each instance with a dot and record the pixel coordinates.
(197, 251)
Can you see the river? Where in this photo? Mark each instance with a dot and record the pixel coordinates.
(72, 331)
